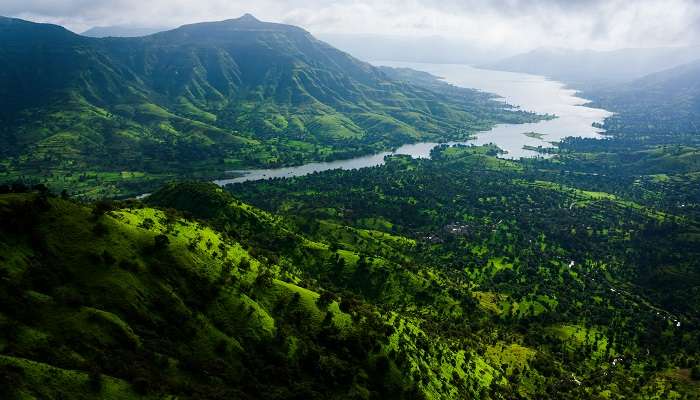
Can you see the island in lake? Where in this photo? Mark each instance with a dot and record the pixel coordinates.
(534, 135)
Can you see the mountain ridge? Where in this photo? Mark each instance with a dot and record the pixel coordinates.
(207, 97)
(592, 69)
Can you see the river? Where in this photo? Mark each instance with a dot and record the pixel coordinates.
(528, 92)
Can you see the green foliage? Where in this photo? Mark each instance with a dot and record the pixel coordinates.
(116, 316)
(493, 241)
(695, 373)
(114, 117)
(464, 276)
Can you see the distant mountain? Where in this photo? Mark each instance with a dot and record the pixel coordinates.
(428, 49)
(207, 97)
(663, 104)
(588, 68)
(122, 31)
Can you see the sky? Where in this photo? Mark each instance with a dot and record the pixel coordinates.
(515, 25)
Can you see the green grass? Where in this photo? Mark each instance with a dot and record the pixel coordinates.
(42, 381)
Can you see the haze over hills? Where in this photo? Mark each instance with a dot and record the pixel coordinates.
(433, 49)
(594, 69)
(458, 271)
(239, 92)
(122, 31)
(666, 103)
(371, 47)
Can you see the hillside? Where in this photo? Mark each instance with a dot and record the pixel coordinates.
(141, 303)
(116, 115)
(589, 69)
(663, 107)
(463, 289)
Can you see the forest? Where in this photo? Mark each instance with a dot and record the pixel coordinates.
(460, 276)
(127, 273)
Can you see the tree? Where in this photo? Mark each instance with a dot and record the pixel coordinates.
(99, 229)
(695, 373)
(147, 223)
(264, 279)
(244, 264)
(102, 207)
(161, 242)
(325, 299)
(95, 380)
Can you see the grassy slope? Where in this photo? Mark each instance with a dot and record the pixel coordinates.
(96, 299)
(395, 319)
(118, 116)
(105, 302)
(522, 232)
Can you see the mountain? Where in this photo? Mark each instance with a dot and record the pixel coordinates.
(426, 49)
(121, 31)
(197, 100)
(663, 107)
(593, 69)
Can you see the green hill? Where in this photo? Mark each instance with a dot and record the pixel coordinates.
(349, 295)
(130, 302)
(658, 109)
(90, 113)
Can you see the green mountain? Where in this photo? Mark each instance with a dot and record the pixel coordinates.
(84, 112)
(462, 289)
(663, 107)
(142, 303)
(462, 276)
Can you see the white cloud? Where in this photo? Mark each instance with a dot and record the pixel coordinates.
(512, 24)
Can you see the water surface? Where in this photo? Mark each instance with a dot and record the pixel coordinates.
(527, 92)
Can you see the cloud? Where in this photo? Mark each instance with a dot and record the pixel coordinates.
(513, 24)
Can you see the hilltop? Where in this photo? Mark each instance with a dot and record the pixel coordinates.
(117, 116)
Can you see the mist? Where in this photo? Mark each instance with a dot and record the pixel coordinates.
(503, 26)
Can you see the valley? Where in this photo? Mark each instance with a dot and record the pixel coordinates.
(204, 98)
(238, 210)
(566, 117)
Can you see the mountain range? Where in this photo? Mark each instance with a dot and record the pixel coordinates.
(207, 97)
(373, 47)
(590, 69)
(571, 276)
(663, 107)
(122, 31)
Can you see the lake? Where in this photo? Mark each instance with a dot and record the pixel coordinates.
(528, 92)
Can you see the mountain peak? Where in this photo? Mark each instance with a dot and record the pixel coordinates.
(247, 17)
(246, 22)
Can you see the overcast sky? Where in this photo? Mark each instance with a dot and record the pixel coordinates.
(513, 24)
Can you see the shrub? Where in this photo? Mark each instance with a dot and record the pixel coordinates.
(10, 376)
(108, 258)
(19, 187)
(129, 265)
(68, 296)
(264, 279)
